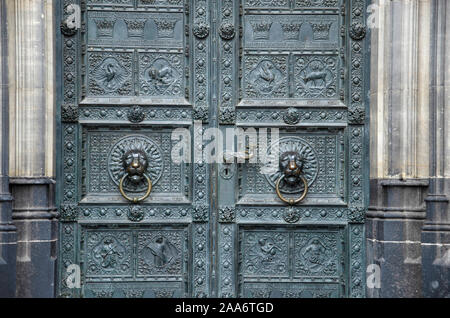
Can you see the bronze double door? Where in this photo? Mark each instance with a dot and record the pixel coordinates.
(139, 78)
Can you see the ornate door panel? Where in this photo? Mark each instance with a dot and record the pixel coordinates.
(133, 219)
(295, 230)
(140, 224)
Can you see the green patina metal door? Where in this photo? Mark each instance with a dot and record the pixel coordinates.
(138, 223)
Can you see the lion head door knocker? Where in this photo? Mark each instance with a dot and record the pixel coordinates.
(135, 165)
(291, 167)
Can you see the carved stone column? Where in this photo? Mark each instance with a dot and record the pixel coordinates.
(7, 229)
(436, 231)
(399, 144)
(32, 139)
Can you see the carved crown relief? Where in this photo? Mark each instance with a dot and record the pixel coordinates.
(135, 27)
(105, 27)
(291, 29)
(165, 27)
(321, 30)
(261, 28)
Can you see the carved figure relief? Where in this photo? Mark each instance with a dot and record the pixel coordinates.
(279, 155)
(316, 76)
(266, 77)
(265, 253)
(316, 254)
(160, 252)
(139, 148)
(108, 253)
(161, 75)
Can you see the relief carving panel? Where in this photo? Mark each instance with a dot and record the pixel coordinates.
(160, 252)
(110, 74)
(161, 74)
(310, 261)
(265, 76)
(108, 253)
(316, 254)
(323, 160)
(265, 254)
(316, 76)
(291, 31)
(289, 290)
(104, 151)
(134, 29)
(127, 3)
(160, 3)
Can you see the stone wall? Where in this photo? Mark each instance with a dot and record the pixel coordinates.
(8, 231)
(407, 222)
(31, 63)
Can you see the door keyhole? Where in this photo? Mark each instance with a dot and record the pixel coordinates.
(227, 171)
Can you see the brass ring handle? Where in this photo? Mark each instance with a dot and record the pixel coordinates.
(136, 200)
(291, 201)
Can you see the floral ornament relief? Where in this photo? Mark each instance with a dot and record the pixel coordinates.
(356, 115)
(135, 213)
(136, 114)
(291, 215)
(227, 31)
(227, 214)
(291, 116)
(357, 31)
(201, 30)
